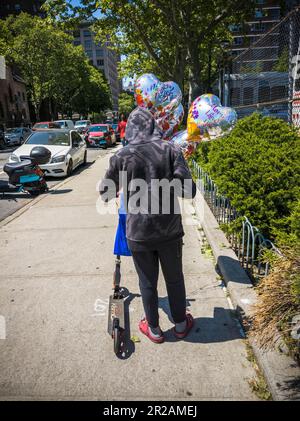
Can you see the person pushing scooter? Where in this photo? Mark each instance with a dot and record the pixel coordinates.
(154, 228)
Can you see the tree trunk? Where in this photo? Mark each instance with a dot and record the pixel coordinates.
(37, 111)
(195, 88)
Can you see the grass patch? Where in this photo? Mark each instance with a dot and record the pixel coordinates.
(257, 384)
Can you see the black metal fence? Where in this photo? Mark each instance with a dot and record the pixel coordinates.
(246, 240)
(266, 76)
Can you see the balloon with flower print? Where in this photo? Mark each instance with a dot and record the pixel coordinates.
(208, 116)
(167, 99)
(145, 89)
(170, 123)
(180, 141)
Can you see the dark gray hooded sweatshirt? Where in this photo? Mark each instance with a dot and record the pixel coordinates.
(147, 157)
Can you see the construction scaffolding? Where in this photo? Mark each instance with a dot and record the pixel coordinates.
(266, 76)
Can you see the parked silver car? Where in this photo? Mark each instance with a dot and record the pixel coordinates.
(16, 135)
(82, 125)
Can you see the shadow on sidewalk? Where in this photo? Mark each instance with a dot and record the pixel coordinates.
(233, 269)
(61, 191)
(15, 196)
(222, 327)
(129, 344)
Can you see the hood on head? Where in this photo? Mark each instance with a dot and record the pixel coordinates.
(141, 127)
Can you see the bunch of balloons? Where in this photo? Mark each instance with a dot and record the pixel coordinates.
(207, 118)
(163, 99)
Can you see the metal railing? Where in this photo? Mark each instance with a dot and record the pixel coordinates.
(245, 239)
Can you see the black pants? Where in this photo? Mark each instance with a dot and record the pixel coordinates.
(147, 266)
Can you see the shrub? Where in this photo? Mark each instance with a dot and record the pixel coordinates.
(257, 166)
(279, 301)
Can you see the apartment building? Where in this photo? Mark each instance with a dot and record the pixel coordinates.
(101, 57)
(14, 7)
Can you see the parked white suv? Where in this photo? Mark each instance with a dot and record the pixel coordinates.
(65, 124)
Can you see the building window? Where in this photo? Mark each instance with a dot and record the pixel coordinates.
(238, 41)
(76, 34)
(17, 7)
(257, 27)
(23, 95)
(88, 44)
(100, 62)
(235, 96)
(264, 92)
(248, 96)
(99, 52)
(89, 53)
(76, 43)
(86, 33)
(279, 92)
(235, 28)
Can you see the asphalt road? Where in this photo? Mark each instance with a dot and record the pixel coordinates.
(10, 203)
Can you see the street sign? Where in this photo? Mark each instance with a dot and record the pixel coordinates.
(296, 109)
(2, 68)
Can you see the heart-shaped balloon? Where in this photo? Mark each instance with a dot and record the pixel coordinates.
(170, 123)
(168, 97)
(145, 89)
(206, 114)
(180, 140)
(209, 99)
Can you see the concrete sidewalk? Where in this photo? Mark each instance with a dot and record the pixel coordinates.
(56, 277)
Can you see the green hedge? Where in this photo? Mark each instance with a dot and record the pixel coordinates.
(257, 166)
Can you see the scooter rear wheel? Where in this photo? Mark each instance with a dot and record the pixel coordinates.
(117, 336)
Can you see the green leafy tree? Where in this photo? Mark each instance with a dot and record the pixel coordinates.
(54, 70)
(166, 37)
(93, 94)
(126, 103)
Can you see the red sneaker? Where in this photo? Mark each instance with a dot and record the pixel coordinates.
(144, 328)
(189, 325)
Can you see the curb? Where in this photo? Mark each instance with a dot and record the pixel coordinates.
(281, 372)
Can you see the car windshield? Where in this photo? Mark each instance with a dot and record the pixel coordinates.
(98, 129)
(15, 130)
(49, 138)
(60, 123)
(41, 126)
(81, 123)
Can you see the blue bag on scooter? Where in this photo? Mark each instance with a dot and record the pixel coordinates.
(121, 246)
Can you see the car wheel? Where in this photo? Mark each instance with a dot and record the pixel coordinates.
(70, 168)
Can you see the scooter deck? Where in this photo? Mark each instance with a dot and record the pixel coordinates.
(115, 310)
